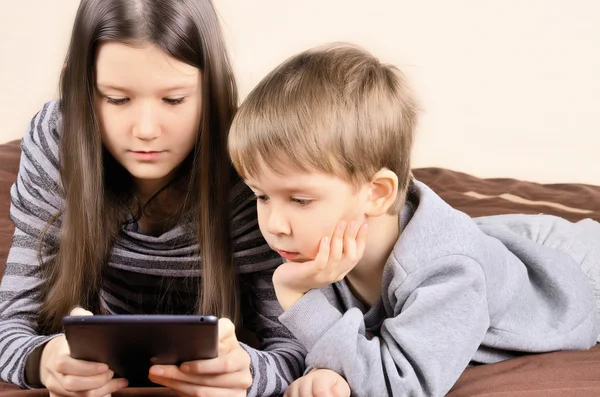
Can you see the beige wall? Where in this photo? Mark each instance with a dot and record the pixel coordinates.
(509, 88)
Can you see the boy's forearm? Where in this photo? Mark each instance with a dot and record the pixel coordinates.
(286, 297)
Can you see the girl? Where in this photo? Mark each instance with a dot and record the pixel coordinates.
(126, 202)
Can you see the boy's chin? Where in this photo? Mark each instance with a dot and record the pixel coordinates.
(301, 260)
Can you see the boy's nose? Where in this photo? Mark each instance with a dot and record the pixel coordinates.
(278, 224)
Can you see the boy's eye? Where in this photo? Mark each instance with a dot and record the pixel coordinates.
(117, 101)
(301, 202)
(174, 101)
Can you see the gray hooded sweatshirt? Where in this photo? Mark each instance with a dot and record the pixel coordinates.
(456, 291)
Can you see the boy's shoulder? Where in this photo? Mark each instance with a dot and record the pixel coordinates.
(438, 234)
(431, 229)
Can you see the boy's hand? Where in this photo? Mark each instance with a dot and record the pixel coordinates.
(337, 256)
(319, 383)
(226, 375)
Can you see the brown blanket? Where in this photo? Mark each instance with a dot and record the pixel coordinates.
(554, 374)
(479, 197)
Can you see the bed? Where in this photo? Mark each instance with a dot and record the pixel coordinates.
(552, 374)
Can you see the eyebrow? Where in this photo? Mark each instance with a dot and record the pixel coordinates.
(289, 190)
(103, 86)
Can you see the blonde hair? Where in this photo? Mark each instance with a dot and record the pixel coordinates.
(334, 109)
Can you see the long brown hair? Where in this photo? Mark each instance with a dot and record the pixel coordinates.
(92, 217)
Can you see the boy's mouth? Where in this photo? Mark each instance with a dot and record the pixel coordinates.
(288, 255)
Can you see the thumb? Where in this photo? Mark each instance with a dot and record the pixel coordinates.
(227, 338)
(226, 328)
(79, 311)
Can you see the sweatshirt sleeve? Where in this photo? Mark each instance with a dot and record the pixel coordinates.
(35, 200)
(279, 359)
(440, 319)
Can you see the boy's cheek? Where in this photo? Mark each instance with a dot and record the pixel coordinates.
(308, 244)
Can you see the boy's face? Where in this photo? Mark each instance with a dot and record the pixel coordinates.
(296, 210)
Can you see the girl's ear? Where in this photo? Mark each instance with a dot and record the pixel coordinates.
(383, 189)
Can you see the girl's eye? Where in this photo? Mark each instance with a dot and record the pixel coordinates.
(117, 101)
(262, 198)
(301, 202)
(174, 101)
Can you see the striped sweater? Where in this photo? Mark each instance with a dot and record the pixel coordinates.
(145, 274)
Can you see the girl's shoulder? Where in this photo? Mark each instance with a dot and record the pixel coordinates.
(40, 163)
(43, 132)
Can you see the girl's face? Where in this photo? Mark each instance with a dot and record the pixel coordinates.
(149, 109)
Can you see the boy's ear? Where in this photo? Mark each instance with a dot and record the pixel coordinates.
(383, 189)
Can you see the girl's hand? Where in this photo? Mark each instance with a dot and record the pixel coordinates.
(319, 383)
(336, 258)
(65, 376)
(226, 375)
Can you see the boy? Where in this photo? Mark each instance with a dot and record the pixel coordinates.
(324, 141)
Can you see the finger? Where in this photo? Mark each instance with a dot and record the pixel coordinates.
(361, 240)
(172, 372)
(232, 380)
(79, 311)
(237, 362)
(60, 394)
(341, 388)
(190, 389)
(337, 242)
(350, 250)
(322, 257)
(67, 365)
(227, 336)
(81, 383)
(323, 385)
(53, 391)
(305, 386)
(353, 252)
(113, 386)
(352, 230)
(219, 365)
(292, 390)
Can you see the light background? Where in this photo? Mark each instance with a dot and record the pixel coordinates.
(509, 88)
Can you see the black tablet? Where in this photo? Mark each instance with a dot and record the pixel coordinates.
(131, 344)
